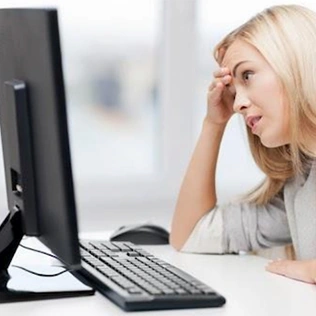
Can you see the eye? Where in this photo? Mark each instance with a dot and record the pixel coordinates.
(246, 75)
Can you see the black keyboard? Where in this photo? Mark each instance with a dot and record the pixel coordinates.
(136, 280)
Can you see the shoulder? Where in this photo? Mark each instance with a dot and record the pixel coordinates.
(302, 180)
(301, 187)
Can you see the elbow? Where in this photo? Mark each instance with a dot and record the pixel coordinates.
(175, 242)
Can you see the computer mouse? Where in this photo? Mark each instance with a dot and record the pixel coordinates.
(142, 234)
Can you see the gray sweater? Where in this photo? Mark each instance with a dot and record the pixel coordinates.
(289, 217)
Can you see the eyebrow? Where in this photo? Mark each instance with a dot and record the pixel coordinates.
(237, 65)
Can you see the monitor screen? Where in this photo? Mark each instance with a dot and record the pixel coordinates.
(34, 132)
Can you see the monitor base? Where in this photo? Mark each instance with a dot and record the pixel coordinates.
(19, 285)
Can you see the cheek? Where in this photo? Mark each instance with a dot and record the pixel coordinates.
(279, 113)
(272, 98)
(278, 128)
(262, 93)
(283, 106)
(285, 116)
(268, 84)
(271, 90)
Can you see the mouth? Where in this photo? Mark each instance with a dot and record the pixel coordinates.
(252, 122)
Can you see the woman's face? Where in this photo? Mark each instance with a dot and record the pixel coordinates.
(258, 94)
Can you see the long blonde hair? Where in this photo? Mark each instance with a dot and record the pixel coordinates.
(285, 35)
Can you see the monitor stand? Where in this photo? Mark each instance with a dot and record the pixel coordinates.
(18, 285)
(15, 283)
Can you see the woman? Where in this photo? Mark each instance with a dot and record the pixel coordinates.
(268, 75)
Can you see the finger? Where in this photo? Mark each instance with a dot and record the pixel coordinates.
(226, 80)
(221, 72)
(283, 267)
(298, 270)
(216, 91)
(278, 266)
(215, 97)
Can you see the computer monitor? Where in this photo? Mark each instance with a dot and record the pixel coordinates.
(33, 119)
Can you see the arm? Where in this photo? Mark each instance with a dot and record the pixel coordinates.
(198, 194)
(250, 227)
(241, 226)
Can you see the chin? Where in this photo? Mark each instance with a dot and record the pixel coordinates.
(271, 142)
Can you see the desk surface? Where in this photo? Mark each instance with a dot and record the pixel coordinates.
(248, 288)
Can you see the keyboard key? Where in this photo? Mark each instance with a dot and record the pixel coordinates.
(110, 246)
(123, 247)
(134, 290)
(93, 261)
(132, 254)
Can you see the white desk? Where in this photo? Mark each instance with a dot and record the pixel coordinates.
(248, 288)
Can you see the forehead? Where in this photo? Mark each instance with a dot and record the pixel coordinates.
(240, 51)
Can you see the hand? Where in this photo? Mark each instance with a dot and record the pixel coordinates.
(220, 98)
(303, 270)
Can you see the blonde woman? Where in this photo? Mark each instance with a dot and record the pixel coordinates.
(268, 75)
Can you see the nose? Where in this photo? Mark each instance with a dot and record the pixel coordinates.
(241, 102)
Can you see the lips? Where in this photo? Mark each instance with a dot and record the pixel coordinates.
(253, 120)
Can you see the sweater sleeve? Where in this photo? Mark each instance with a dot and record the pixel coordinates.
(207, 235)
(238, 227)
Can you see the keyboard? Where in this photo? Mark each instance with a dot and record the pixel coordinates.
(136, 280)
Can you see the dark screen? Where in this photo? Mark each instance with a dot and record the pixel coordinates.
(30, 52)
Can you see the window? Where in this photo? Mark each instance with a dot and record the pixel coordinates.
(129, 69)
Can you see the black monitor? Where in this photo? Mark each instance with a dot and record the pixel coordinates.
(33, 119)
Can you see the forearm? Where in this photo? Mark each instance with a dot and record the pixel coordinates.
(198, 193)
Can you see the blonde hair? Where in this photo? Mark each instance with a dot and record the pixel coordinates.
(285, 35)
